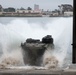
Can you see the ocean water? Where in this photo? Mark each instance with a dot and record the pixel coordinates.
(14, 31)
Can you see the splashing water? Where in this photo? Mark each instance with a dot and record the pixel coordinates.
(18, 30)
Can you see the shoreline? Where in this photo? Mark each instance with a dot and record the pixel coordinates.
(35, 16)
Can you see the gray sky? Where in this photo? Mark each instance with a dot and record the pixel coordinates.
(43, 4)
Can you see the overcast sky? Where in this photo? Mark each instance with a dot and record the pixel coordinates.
(43, 4)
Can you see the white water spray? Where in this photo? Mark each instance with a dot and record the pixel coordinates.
(18, 30)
